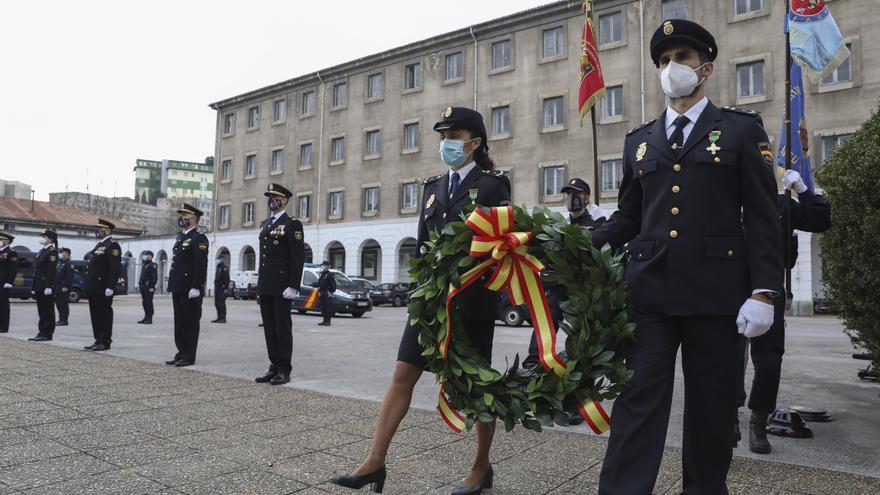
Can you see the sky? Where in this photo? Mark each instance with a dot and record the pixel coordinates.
(92, 85)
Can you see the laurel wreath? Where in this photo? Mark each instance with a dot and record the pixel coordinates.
(595, 321)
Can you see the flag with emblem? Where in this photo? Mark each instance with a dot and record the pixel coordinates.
(816, 43)
(592, 85)
(800, 158)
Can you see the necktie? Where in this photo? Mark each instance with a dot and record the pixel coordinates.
(453, 184)
(676, 140)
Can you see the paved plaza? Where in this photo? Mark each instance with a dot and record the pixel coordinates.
(73, 422)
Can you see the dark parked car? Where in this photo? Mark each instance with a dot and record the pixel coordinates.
(363, 283)
(25, 278)
(348, 299)
(511, 315)
(394, 294)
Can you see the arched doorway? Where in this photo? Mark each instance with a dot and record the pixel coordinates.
(163, 269)
(406, 251)
(307, 254)
(336, 255)
(248, 259)
(371, 260)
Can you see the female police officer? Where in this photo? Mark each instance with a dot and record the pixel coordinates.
(470, 179)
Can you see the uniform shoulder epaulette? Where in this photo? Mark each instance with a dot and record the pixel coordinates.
(432, 179)
(744, 111)
(641, 126)
(493, 173)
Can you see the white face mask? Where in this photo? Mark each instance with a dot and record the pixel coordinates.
(679, 80)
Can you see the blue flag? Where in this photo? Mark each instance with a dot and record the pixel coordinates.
(800, 156)
(816, 43)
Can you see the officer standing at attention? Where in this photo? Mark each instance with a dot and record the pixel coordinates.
(186, 283)
(809, 213)
(147, 286)
(326, 291)
(101, 277)
(580, 210)
(44, 284)
(282, 254)
(63, 282)
(697, 206)
(221, 285)
(8, 271)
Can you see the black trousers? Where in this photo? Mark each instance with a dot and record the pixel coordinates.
(766, 352)
(220, 302)
(147, 303)
(62, 302)
(326, 307)
(640, 415)
(4, 309)
(46, 312)
(101, 311)
(278, 330)
(187, 317)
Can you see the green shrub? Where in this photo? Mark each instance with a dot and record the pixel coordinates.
(851, 179)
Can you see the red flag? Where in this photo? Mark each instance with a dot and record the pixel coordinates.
(592, 83)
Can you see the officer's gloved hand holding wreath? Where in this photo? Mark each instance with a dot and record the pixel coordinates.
(511, 246)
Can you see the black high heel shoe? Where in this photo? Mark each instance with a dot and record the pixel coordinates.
(477, 489)
(377, 478)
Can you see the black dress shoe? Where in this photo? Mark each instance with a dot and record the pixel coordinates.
(90, 347)
(221, 320)
(60, 323)
(265, 378)
(377, 478)
(172, 362)
(280, 379)
(184, 363)
(142, 320)
(148, 321)
(40, 338)
(100, 347)
(477, 489)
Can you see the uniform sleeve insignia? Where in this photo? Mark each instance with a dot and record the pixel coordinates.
(298, 235)
(203, 246)
(114, 252)
(764, 148)
(53, 258)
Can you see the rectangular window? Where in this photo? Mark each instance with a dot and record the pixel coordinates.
(554, 179)
(612, 104)
(253, 117)
(501, 120)
(335, 204)
(229, 123)
(374, 86)
(501, 54)
(610, 28)
(226, 170)
(412, 76)
(554, 111)
(830, 143)
(843, 72)
(305, 155)
(675, 9)
(454, 66)
(410, 196)
(411, 136)
(554, 42)
(277, 160)
(741, 7)
(371, 199)
(303, 207)
(337, 149)
(374, 143)
(340, 95)
(247, 213)
(308, 103)
(280, 110)
(224, 216)
(612, 173)
(750, 79)
(250, 165)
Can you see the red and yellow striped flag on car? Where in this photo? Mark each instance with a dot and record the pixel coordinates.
(312, 301)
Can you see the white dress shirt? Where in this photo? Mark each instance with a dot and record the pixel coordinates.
(693, 113)
(462, 172)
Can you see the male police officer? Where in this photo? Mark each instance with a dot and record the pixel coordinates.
(63, 283)
(697, 206)
(147, 286)
(221, 285)
(580, 210)
(101, 278)
(44, 284)
(8, 271)
(326, 291)
(186, 282)
(282, 253)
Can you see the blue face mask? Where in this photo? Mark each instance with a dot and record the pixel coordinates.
(272, 204)
(452, 152)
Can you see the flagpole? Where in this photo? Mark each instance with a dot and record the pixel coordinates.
(596, 190)
(787, 206)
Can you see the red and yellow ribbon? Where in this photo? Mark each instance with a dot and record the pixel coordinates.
(311, 301)
(519, 272)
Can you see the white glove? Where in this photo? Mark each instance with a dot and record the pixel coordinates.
(596, 212)
(108, 292)
(289, 293)
(7, 286)
(754, 318)
(793, 179)
(193, 293)
(47, 291)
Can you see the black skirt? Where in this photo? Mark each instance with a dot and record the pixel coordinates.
(479, 332)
